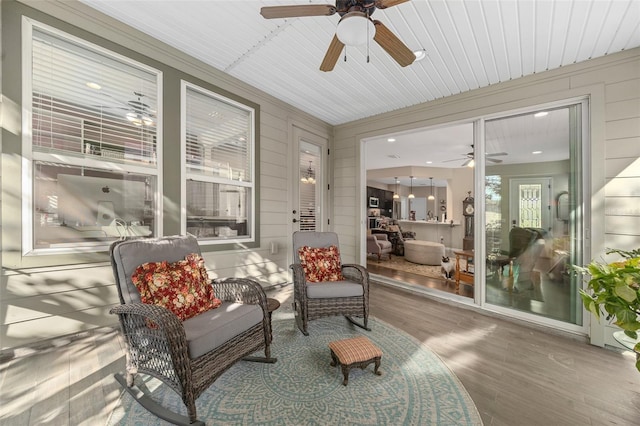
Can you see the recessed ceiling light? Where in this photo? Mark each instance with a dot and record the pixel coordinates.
(536, 152)
(420, 55)
(391, 140)
(429, 162)
(93, 85)
(540, 114)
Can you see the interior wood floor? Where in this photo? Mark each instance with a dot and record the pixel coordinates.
(448, 286)
(516, 374)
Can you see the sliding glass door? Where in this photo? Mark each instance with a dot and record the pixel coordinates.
(533, 221)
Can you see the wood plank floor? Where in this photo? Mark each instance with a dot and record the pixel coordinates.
(516, 374)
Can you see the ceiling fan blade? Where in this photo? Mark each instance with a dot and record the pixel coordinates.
(496, 154)
(467, 161)
(393, 45)
(449, 161)
(273, 12)
(332, 55)
(493, 160)
(383, 4)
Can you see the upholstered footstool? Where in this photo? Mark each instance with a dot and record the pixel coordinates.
(355, 352)
(423, 252)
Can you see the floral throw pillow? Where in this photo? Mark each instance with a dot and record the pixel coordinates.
(183, 287)
(321, 263)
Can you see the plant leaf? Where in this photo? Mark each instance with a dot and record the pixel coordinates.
(625, 292)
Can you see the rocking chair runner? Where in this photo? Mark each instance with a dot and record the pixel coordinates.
(349, 297)
(186, 355)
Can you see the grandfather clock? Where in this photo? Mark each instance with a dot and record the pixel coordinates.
(468, 210)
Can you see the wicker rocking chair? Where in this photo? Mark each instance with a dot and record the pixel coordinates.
(318, 300)
(187, 355)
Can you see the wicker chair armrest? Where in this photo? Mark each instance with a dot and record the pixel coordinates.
(357, 273)
(299, 282)
(149, 332)
(161, 317)
(239, 290)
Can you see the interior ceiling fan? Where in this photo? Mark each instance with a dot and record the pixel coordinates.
(469, 157)
(139, 113)
(355, 27)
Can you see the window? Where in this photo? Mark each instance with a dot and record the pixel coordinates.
(218, 151)
(92, 145)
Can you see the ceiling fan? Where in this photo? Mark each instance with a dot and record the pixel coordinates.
(139, 113)
(469, 158)
(355, 27)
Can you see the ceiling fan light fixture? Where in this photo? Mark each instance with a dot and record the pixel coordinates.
(355, 29)
(420, 54)
(138, 119)
(471, 163)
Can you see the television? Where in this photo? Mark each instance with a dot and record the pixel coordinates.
(88, 201)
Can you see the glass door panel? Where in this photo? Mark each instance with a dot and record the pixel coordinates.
(532, 236)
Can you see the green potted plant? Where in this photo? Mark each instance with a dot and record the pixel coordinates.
(615, 288)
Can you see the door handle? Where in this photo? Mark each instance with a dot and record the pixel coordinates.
(295, 220)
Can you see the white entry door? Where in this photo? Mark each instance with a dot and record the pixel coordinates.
(530, 203)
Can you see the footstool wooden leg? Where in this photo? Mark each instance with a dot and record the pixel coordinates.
(345, 373)
(375, 370)
(334, 360)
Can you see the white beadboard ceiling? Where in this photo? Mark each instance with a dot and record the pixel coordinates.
(469, 44)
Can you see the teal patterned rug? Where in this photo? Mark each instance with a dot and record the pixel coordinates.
(415, 388)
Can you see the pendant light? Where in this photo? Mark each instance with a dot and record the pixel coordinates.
(411, 196)
(308, 178)
(431, 196)
(396, 195)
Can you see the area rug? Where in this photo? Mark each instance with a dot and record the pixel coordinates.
(400, 264)
(301, 388)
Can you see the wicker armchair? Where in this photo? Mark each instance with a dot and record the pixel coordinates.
(187, 355)
(317, 300)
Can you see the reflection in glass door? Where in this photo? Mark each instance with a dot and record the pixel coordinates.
(309, 165)
(532, 233)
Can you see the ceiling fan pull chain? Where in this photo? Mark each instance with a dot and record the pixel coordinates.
(345, 53)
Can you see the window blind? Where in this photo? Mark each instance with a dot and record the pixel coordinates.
(114, 119)
(218, 141)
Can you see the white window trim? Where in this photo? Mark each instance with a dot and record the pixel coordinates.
(28, 156)
(184, 85)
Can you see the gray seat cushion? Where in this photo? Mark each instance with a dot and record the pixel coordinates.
(333, 289)
(211, 329)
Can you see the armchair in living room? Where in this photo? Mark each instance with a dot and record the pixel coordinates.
(379, 245)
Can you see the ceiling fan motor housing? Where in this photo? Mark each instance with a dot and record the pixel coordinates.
(345, 6)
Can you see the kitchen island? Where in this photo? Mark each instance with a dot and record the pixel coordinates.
(438, 232)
